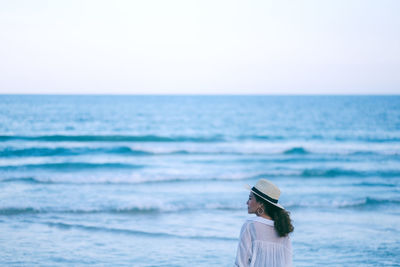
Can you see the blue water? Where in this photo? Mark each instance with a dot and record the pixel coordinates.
(158, 180)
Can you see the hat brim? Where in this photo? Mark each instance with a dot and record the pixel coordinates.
(248, 187)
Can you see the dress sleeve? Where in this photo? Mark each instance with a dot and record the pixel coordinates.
(244, 250)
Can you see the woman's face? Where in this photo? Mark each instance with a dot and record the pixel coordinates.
(252, 204)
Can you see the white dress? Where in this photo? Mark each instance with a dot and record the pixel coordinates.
(260, 245)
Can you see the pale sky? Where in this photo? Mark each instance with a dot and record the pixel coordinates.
(200, 47)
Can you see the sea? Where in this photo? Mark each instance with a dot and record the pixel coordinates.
(141, 180)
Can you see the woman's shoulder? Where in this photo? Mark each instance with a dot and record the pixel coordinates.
(256, 222)
(259, 220)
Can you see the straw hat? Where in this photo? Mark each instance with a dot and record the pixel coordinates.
(267, 191)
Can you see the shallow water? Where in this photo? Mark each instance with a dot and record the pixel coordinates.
(158, 180)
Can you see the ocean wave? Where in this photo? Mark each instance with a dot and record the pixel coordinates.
(9, 211)
(368, 139)
(137, 209)
(327, 173)
(70, 166)
(10, 152)
(133, 232)
(350, 138)
(106, 229)
(296, 151)
(25, 180)
(18, 211)
(63, 151)
(375, 184)
(364, 153)
(121, 179)
(110, 138)
(129, 211)
(196, 139)
(368, 202)
(337, 172)
(262, 137)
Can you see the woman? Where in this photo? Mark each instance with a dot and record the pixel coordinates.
(264, 240)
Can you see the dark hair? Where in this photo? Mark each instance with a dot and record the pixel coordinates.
(282, 222)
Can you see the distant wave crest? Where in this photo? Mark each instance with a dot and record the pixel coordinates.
(337, 172)
(142, 178)
(296, 151)
(18, 211)
(200, 139)
(29, 210)
(71, 166)
(368, 202)
(10, 211)
(133, 232)
(110, 138)
(63, 151)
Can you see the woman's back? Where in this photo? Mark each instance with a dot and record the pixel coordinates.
(260, 245)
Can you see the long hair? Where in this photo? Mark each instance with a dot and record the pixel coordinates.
(282, 222)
